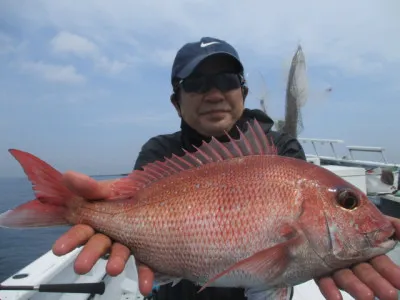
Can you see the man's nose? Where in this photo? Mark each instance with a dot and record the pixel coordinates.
(214, 95)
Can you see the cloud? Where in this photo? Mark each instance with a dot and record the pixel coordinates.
(6, 44)
(53, 73)
(72, 43)
(364, 29)
(67, 43)
(99, 70)
(161, 57)
(122, 34)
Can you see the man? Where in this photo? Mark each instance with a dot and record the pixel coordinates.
(208, 94)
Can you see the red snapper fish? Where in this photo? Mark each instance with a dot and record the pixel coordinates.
(232, 214)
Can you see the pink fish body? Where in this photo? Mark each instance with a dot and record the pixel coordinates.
(229, 215)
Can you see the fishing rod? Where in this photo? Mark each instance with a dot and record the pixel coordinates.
(83, 288)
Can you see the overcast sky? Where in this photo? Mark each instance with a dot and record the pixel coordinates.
(84, 84)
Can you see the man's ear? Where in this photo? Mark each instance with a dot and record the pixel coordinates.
(175, 103)
(245, 92)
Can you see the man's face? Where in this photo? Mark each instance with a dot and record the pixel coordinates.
(213, 111)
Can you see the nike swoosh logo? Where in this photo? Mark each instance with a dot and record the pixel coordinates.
(208, 44)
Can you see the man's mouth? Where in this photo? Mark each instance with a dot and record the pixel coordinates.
(214, 111)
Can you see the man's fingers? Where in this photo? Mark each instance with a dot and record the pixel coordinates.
(347, 281)
(388, 269)
(85, 186)
(379, 285)
(73, 238)
(117, 260)
(146, 278)
(396, 223)
(95, 248)
(328, 288)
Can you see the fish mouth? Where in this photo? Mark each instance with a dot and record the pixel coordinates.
(390, 242)
(392, 237)
(383, 238)
(374, 243)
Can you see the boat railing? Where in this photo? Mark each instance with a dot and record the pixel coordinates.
(322, 142)
(367, 149)
(350, 159)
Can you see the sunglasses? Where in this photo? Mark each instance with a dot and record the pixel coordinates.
(222, 81)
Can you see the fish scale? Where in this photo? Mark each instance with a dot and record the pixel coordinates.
(229, 215)
(220, 236)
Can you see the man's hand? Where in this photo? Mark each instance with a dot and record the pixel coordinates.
(379, 278)
(96, 245)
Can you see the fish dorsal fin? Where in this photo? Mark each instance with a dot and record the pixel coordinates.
(252, 142)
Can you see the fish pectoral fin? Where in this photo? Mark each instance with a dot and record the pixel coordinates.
(272, 261)
(175, 281)
(269, 294)
(161, 279)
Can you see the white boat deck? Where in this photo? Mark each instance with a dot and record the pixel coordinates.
(52, 269)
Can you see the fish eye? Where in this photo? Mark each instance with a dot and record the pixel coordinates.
(347, 199)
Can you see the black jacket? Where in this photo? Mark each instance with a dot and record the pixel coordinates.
(165, 145)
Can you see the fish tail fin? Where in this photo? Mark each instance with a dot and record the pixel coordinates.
(50, 206)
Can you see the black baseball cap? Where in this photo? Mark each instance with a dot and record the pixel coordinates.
(192, 54)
